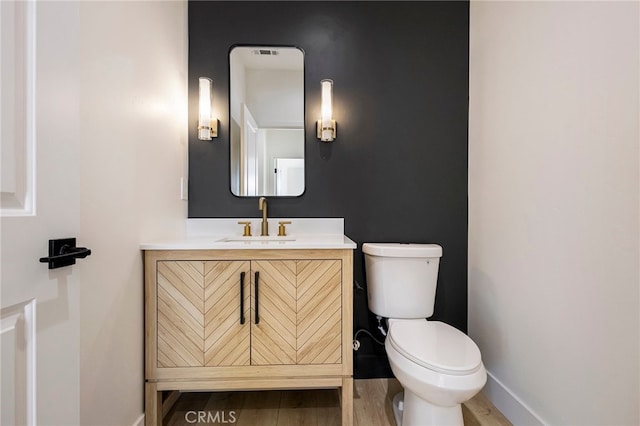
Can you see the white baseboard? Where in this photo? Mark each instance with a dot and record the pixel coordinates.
(139, 421)
(166, 406)
(509, 404)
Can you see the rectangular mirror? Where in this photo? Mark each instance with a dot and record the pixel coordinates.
(266, 103)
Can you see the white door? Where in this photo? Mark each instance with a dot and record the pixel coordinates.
(248, 153)
(289, 176)
(39, 118)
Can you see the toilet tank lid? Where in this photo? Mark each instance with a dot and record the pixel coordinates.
(402, 250)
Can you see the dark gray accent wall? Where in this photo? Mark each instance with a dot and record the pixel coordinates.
(397, 171)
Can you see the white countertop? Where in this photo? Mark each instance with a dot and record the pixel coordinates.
(221, 243)
(226, 234)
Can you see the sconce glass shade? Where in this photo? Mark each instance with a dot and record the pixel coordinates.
(205, 128)
(327, 100)
(326, 126)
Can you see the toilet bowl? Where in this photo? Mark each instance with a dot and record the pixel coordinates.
(438, 366)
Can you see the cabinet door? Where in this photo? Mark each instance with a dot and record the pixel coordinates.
(199, 313)
(180, 314)
(299, 312)
(273, 303)
(319, 312)
(226, 327)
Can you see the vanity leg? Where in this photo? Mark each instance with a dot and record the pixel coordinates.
(152, 405)
(347, 401)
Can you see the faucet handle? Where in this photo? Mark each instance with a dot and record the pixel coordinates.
(247, 228)
(282, 232)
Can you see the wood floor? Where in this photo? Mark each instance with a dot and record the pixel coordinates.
(372, 407)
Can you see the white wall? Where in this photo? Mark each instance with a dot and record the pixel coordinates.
(287, 87)
(553, 208)
(134, 128)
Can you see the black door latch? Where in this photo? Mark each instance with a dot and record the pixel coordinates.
(63, 252)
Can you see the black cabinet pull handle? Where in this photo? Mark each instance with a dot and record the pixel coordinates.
(242, 298)
(257, 292)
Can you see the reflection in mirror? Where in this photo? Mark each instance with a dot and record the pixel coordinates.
(267, 121)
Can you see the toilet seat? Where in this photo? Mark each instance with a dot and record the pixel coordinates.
(436, 346)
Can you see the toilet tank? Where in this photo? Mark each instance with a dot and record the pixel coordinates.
(401, 278)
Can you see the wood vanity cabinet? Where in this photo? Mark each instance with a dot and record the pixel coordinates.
(248, 320)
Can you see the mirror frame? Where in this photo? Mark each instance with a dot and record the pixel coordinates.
(304, 113)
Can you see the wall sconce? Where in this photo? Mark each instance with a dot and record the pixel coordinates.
(326, 126)
(207, 125)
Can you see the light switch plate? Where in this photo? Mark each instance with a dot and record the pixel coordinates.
(184, 190)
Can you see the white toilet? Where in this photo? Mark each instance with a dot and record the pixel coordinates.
(438, 366)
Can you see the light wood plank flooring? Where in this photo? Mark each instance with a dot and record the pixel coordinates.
(372, 407)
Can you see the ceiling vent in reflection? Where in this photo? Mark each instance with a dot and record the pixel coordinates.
(267, 52)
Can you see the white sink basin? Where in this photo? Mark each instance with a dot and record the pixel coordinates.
(235, 239)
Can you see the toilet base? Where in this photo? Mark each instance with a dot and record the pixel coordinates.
(398, 406)
(410, 410)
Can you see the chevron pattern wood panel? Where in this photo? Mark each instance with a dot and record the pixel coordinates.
(198, 320)
(226, 341)
(180, 314)
(199, 314)
(273, 340)
(319, 312)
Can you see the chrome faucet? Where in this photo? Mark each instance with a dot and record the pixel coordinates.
(262, 205)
